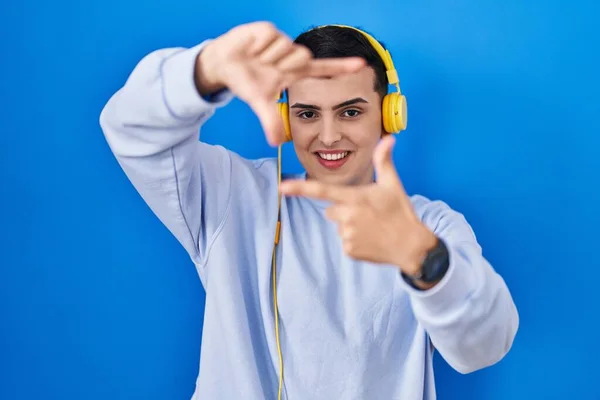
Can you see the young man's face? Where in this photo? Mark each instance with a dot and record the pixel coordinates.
(336, 125)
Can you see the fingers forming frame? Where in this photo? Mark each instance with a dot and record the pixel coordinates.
(290, 62)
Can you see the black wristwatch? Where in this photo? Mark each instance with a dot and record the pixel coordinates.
(435, 265)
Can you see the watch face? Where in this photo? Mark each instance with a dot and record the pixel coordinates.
(436, 263)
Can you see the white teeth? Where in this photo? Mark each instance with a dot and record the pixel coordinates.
(334, 156)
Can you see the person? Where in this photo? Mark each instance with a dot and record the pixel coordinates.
(330, 284)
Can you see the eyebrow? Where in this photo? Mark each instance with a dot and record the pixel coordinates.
(343, 104)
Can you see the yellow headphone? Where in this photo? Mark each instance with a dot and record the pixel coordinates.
(393, 108)
(394, 115)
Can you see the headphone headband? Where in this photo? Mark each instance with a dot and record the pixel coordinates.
(393, 107)
(392, 74)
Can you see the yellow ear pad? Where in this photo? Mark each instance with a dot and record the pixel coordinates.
(285, 117)
(394, 113)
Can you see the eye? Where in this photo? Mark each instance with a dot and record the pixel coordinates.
(306, 114)
(351, 113)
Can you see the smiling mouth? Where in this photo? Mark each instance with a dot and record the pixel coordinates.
(331, 160)
(333, 156)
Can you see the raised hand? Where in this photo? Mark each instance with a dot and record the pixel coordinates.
(256, 62)
(376, 222)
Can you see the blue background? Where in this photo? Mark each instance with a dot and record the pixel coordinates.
(99, 301)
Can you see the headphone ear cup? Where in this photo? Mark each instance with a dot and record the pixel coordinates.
(285, 118)
(394, 113)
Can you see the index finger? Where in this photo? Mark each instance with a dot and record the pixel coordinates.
(317, 190)
(324, 67)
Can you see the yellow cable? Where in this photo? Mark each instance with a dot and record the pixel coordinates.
(274, 274)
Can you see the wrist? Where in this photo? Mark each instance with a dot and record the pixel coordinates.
(424, 241)
(432, 269)
(206, 72)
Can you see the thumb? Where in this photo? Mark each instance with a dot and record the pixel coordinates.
(384, 163)
(270, 120)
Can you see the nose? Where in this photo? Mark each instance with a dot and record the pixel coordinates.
(329, 134)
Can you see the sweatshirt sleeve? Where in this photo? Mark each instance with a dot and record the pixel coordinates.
(469, 315)
(152, 126)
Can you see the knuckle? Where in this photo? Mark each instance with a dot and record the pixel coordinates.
(304, 53)
(349, 232)
(265, 26)
(285, 39)
(347, 217)
(285, 43)
(350, 248)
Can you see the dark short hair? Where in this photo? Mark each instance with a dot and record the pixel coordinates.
(335, 41)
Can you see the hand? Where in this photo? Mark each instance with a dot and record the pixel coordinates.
(376, 222)
(256, 62)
